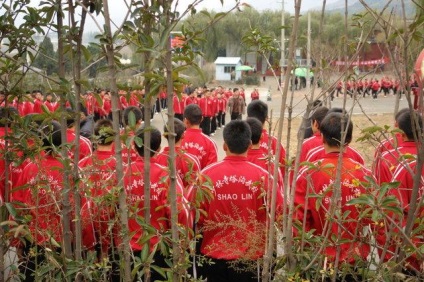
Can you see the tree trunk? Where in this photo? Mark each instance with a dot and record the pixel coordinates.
(66, 211)
(123, 209)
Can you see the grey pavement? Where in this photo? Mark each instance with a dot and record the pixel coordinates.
(381, 105)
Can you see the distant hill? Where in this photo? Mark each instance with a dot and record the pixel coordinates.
(355, 7)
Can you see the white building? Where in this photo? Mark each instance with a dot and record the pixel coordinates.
(225, 68)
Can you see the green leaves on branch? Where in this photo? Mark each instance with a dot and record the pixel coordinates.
(256, 41)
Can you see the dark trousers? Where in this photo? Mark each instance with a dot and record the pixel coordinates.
(158, 109)
(374, 93)
(223, 119)
(29, 263)
(219, 119)
(235, 116)
(205, 125)
(224, 270)
(179, 116)
(163, 103)
(213, 124)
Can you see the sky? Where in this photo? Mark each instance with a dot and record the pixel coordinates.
(118, 12)
(118, 8)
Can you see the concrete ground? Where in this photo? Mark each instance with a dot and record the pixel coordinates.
(358, 106)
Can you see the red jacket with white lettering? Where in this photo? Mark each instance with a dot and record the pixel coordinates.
(313, 196)
(186, 165)
(160, 215)
(235, 224)
(42, 185)
(389, 160)
(99, 176)
(200, 145)
(403, 193)
(258, 157)
(319, 153)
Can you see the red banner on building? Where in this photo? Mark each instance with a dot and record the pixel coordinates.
(364, 63)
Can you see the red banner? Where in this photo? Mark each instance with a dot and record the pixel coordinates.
(364, 63)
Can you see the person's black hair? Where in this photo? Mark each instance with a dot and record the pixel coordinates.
(258, 109)
(400, 112)
(193, 114)
(7, 115)
(255, 128)
(331, 129)
(50, 136)
(237, 135)
(235, 89)
(335, 110)
(179, 129)
(316, 103)
(319, 114)
(138, 114)
(103, 131)
(155, 140)
(405, 124)
(70, 117)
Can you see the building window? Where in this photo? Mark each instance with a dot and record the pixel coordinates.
(229, 69)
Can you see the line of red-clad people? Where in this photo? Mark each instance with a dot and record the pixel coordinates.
(394, 161)
(198, 151)
(374, 87)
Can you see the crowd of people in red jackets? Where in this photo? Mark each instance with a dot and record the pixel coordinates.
(374, 87)
(239, 186)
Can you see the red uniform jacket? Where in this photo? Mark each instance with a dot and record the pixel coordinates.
(263, 143)
(84, 145)
(160, 215)
(179, 104)
(254, 95)
(187, 165)
(208, 106)
(404, 194)
(221, 105)
(310, 144)
(237, 188)
(52, 106)
(42, 185)
(313, 198)
(192, 100)
(258, 157)
(319, 153)
(98, 171)
(389, 160)
(201, 146)
(37, 107)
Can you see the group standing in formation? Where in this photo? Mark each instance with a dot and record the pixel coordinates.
(234, 220)
(373, 87)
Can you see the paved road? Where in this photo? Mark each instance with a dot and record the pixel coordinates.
(368, 105)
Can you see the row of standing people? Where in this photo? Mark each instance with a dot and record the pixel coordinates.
(198, 152)
(374, 87)
(328, 126)
(394, 161)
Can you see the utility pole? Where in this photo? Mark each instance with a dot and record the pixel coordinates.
(283, 46)
(308, 55)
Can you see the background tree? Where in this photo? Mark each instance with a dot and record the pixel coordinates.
(46, 58)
